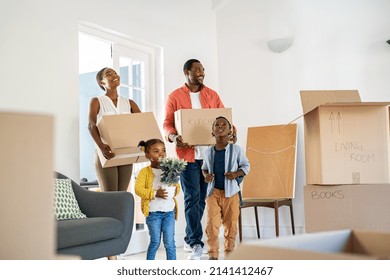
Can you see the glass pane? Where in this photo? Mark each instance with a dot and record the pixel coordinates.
(138, 97)
(124, 91)
(124, 64)
(94, 54)
(138, 79)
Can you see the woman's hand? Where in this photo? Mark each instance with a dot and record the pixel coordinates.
(106, 151)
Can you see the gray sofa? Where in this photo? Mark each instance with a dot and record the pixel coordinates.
(107, 229)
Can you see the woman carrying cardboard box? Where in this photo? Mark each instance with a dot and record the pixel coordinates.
(115, 178)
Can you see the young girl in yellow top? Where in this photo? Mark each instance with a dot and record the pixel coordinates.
(158, 206)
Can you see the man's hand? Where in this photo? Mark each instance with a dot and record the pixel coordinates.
(178, 140)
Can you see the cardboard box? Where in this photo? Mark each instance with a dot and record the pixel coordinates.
(271, 151)
(195, 125)
(364, 207)
(26, 193)
(123, 133)
(332, 245)
(346, 141)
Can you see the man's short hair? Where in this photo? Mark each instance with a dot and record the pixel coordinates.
(188, 64)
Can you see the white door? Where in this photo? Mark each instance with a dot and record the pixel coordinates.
(134, 71)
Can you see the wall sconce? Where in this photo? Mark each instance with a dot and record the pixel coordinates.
(280, 45)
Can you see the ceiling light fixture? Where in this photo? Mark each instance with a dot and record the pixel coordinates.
(280, 45)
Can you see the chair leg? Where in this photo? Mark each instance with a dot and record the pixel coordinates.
(240, 226)
(257, 223)
(276, 207)
(292, 219)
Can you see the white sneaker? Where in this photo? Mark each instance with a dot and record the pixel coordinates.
(187, 247)
(196, 252)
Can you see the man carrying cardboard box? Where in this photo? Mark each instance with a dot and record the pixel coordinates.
(192, 95)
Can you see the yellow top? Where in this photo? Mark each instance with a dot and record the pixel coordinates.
(144, 189)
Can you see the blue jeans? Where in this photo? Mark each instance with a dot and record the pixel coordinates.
(194, 189)
(161, 223)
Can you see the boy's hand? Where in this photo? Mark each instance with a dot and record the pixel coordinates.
(231, 175)
(209, 178)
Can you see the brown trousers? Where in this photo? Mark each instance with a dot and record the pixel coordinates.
(116, 178)
(221, 210)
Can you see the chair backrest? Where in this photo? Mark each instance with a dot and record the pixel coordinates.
(271, 151)
(59, 175)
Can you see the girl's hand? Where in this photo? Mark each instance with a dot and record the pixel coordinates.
(161, 193)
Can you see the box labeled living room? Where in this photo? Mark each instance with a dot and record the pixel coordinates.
(346, 140)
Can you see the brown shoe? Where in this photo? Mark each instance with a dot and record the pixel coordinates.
(213, 258)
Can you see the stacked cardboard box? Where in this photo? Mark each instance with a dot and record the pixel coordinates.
(348, 186)
(347, 152)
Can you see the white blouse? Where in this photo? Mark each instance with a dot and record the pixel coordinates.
(107, 107)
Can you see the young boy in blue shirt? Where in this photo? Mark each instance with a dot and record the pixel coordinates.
(222, 165)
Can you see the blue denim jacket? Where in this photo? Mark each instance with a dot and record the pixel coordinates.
(239, 161)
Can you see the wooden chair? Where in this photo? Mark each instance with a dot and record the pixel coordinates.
(271, 151)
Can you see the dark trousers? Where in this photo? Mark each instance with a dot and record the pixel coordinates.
(194, 188)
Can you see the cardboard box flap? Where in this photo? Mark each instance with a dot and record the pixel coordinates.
(311, 99)
(355, 104)
(342, 244)
(271, 151)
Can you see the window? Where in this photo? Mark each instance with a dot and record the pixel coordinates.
(136, 63)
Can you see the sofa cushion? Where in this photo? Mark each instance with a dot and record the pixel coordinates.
(65, 203)
(84, 231)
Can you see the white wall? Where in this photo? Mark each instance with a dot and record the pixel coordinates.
(39, 56)
(39, 53)
(337, 45)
